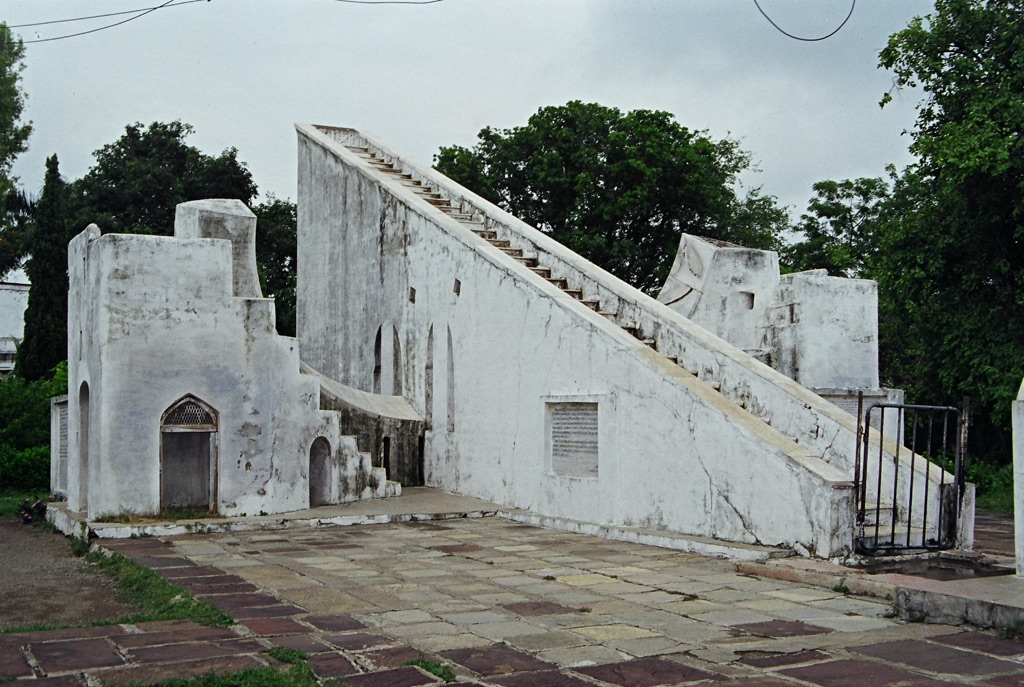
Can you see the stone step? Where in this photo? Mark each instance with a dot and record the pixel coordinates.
(575, 293)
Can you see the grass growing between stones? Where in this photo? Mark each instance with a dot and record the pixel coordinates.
(433, 667)
(298, 675)
(156, 598)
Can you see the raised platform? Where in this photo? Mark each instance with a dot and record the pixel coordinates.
(415, 504)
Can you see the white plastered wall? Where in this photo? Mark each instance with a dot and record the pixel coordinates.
(153, 319)
(673, 453)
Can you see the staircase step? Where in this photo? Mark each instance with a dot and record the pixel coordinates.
(542, 272)
(560, 283)
(529, 260)
(498, 243)
(593, 305)
(486, 234)
(514, 252)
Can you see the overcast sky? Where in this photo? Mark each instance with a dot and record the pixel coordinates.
(242, 72)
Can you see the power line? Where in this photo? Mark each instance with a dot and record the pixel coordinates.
(102, 16)
(102, 28)
(143, 11)
(800, 38)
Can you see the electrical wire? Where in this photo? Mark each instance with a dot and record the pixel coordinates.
(143, 11)
(101, 28)
(801, 38)
(102, 16)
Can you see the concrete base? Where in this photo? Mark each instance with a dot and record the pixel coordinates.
(991, 602)
(703, 546)
(415, 503)
(986, 602)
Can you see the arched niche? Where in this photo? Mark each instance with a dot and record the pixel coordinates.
(319, 473)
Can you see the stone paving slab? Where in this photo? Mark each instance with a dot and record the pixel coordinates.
(62, 656)
(509, 605)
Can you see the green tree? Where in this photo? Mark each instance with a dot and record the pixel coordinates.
(138, 180)
(951, 271)
(276, 246)
(45, 342)
(839, 228)
(618, 188)
(25, 429)
(13, 141)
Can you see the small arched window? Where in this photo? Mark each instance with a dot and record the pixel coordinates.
(190, 414)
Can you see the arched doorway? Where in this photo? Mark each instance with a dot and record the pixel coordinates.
(188, 456)
(319, 473)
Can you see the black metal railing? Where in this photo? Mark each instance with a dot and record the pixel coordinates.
(910, 499)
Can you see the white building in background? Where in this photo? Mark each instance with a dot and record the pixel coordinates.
(13, 302)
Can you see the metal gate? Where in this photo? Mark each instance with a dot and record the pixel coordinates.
(908, 498)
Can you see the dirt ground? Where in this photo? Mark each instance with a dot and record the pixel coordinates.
(41, 582)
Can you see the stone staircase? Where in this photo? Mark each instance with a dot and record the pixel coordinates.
(479, 225)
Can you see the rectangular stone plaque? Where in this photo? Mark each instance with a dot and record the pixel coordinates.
(573, 439)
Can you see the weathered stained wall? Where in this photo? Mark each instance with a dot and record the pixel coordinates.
(399, 297)
(725, 288)
(13, 302)
(818, 330)
(154, 319)
(824, 330)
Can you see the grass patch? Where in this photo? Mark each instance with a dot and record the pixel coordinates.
(433, 667)
(286, 655)
(299, 675)
(139, 586)
(10, 501)
(156, 598)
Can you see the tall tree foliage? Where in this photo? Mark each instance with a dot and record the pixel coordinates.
(618, 188)
(276, 257)
(138, 180)
(13, 141)
(952, 254)
(45, 342)
(840, 228)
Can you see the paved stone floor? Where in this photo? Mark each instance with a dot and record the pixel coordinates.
(509, 605)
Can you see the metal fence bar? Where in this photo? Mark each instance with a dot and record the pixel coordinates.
(938, 444)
